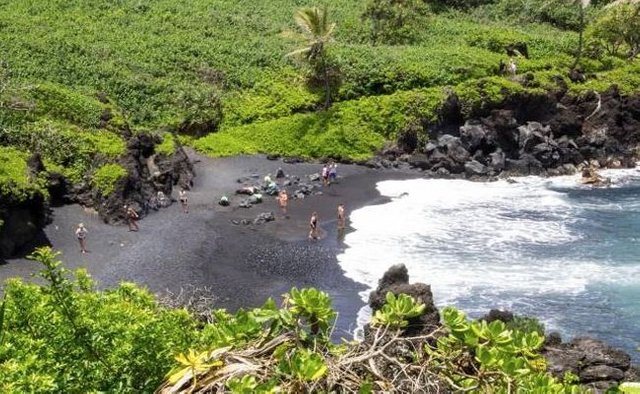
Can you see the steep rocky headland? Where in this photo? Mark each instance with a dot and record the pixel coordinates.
(530, 134)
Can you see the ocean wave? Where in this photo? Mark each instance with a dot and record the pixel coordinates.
(484, 244)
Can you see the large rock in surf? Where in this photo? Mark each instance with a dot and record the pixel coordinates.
(396, 281)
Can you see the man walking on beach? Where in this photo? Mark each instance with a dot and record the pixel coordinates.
(132, 218)
(313, 226)
(81, 234)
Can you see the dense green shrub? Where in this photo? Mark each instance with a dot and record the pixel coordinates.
(67, 337)
(616, 30)
(106, 177)
(349, 130)
(501, 359)
(559, 13)
(167, 146)
(627, 79)
(57, 102)
(394, 21)
(14, 175)
(71, 149)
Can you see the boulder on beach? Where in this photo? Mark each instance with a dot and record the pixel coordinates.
(264, 217)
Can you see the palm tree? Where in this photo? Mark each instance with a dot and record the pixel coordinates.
(317, 32)
(583, 4)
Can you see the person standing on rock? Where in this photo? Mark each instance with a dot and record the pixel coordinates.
(81, 234)
(183, 200)
(313, 226)
(132, 218)
(342, 219)
(283, 200)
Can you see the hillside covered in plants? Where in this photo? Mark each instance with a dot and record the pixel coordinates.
(78, 77)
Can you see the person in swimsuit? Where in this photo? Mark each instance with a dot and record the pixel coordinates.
(333, 173)
(313, 226)
(283, 200)
(183, 200)
(325, 175)
(81, 234)
(341, 217)
(132, 218)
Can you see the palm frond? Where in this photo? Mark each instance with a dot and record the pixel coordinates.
(306, 19)
(300, 51)
(314, 23)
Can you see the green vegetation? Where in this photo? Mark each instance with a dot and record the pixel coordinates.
(394, 21)
(106, 177)
(397, 310)
(14, 175)
(317, 33)
(502, 358)
(66, 336)
(616, 31)
(76, 75)
(167, 146)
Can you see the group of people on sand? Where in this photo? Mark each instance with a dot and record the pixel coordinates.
(329, 175)
(313, 222)
(131, 217)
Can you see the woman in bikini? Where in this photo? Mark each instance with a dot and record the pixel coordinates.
(81, 234)
(313, 226)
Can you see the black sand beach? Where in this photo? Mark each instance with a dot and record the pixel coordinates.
(241, 264)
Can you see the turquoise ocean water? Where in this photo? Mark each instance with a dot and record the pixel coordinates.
(552, 248)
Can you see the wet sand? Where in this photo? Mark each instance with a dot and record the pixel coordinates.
(242, 264)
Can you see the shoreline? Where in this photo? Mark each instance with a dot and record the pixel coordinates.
(243, 265)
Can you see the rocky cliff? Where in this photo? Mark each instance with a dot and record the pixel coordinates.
(526, 134)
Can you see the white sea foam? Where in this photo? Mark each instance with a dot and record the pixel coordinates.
(471, 239)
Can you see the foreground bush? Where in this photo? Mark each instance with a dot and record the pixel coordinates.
(65, 336)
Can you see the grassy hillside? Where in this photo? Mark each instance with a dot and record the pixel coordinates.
(76, 71)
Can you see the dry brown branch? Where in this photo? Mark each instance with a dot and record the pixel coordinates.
(199, 301)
